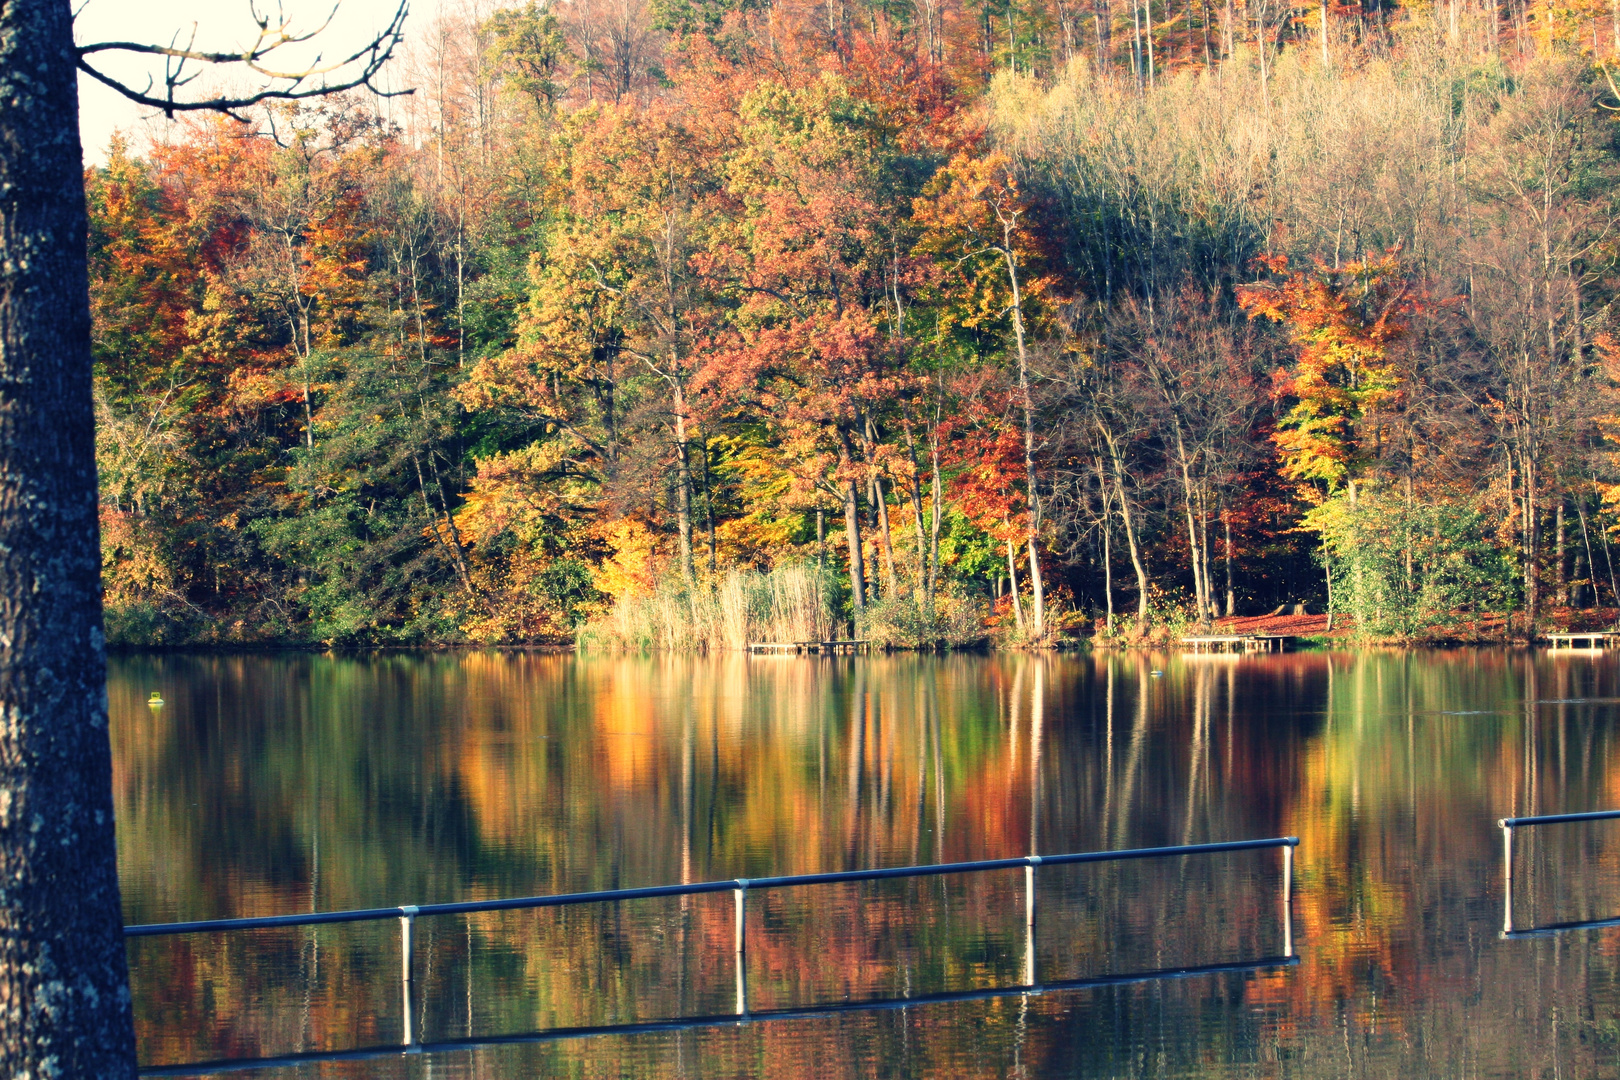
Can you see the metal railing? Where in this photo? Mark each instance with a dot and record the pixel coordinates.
(739, 887)
(1507, 826)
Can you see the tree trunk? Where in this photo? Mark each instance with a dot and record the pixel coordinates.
(852, 527)
(1209, 571)
(1130, 528)
(303, 348)
(708, 504)
(1103, 19)
(1512, 504)
(1201, 590)
(1560, 578)
(451, 549)
(890, 580)
(1262, 47)
(683, 505)
(1231, 597)
(914, 493)
(1327, 569)
(1037, 591)
(1012, 585)
(1147, 19)
(1108, 577)
(880, 510)
(309, 412)
(1406, 545)
(1608, 556)
(1136, 42)
(1586, 540)
(1135, 549)
(1107, 544)
(1037, 597)
(935, 517)
(64, 986)
(1532, 580)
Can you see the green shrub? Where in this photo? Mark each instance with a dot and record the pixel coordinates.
(1407, 569)
(955, 620)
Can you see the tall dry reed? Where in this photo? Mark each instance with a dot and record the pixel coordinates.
(790, 603)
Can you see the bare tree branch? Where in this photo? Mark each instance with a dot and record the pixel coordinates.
(362, 66)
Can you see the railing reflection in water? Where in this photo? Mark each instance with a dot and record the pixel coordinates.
(740, 887)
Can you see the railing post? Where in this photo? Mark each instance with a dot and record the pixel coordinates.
(1029, 919)
(1507, 875)
(741, 893)
(1288, 899)
(407, 921)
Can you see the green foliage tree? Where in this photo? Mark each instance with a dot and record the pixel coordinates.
(1408, 571)
(528, 47)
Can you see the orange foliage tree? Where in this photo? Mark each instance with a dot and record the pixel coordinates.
(1345, 323)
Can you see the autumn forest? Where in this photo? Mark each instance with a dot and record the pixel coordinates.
(688, 323)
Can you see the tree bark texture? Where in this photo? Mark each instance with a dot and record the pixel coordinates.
(64, 988)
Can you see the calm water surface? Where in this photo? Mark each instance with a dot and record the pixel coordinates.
(269, 785)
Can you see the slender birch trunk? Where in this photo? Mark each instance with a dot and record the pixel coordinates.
(1201, 590)
(1130, 526)
(1107, 543)
(1037, 597)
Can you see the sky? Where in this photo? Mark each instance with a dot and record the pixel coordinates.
(220, 25)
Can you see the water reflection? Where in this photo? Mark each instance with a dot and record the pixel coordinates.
(290, 783)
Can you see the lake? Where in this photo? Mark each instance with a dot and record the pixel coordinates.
(292, 783)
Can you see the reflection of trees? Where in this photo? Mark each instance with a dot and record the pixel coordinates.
(1399, 879)
(338, 783)
(282, 784)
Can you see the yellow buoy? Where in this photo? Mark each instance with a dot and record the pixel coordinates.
(155, 700)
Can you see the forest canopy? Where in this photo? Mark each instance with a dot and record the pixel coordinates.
(687, 323)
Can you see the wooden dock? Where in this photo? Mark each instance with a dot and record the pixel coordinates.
(817, 647)
(1234, 644)
(1595, 639)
